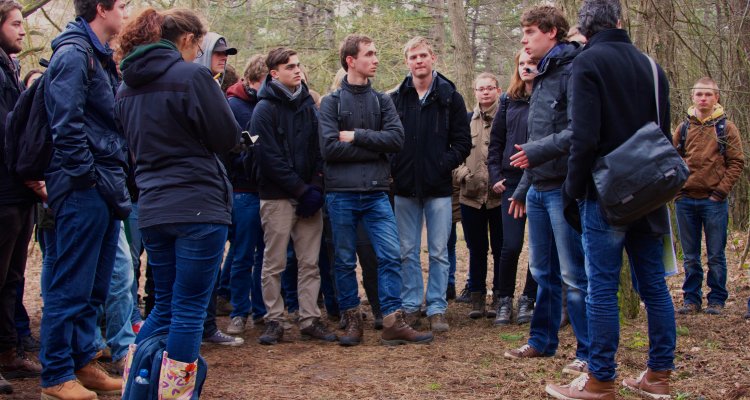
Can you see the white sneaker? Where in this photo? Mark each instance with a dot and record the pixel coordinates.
(237, 325)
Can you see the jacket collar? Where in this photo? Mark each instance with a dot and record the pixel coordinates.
(98, 46)
(488, 115)
(609, 35)
(356, 89)
(562, 53)
(442, 89)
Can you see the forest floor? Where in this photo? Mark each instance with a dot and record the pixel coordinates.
(712, 357)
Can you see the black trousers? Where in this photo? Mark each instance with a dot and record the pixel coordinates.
(17, 225)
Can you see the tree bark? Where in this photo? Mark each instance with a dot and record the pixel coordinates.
(463, 59)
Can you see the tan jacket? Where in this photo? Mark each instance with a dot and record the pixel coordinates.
(472, 175)
(710, 172)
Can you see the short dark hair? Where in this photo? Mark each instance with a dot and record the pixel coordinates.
(595, 16)
(7, 6)
(547, 17)
(350, 47)
(279, 56)
(86, 9)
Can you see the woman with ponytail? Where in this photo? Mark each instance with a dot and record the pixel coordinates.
(178, 124)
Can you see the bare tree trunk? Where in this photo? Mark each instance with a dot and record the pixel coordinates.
(463, 58)
(31, 6)
(437, 30)
(630, 302)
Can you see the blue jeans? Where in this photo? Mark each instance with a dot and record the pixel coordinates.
(411, 213)
(224, 283)
(452, 239)
(119, 304)
(711, 217)
(185, 259)
(346, 210)
(136, 249)
(483, 230)
(604, 245)
(248, 255)
(555, 256)
(78, 262)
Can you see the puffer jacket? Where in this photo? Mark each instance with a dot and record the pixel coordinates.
(473, 175)
(88, 149)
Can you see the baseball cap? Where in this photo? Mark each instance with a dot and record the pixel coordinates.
(221, 46)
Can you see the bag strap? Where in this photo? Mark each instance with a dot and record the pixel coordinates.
(655, 72)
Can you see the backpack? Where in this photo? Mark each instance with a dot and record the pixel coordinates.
(28, 139)
(148, 356)
(721, 136)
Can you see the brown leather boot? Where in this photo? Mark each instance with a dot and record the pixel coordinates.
(93, 377)
(585, 387)
(70, 390)
(651, 384)
(354, 328)
(396, 331)
(478, 301)
(15, 365)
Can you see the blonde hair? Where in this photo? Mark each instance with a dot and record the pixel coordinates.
(417, 41)
(336, 84)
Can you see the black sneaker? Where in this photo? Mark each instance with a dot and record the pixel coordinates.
(689, 308)
(273, 334)
(525, 309)
(223, 339)
(714, 309)
(465, 296)
(318, 331)
(504, 310)
(450, 294)
(29, 344)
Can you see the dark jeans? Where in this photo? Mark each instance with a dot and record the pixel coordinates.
(603, 245)
(513, 233)
(247, 254)
(452, 239)
(368, 261)
(373, 210)
(185, 260)
(477, 223)
(79, 257)
(17, 224)
(21, 317)
(695, 216)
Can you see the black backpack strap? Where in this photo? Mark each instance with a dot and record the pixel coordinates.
(504, 104)
(91, 62)
(721, 135)
(683, 137)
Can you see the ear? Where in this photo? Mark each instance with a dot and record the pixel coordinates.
(274, 74)
(350, 61)
(552, 34)
(101, 11)
(434, 58)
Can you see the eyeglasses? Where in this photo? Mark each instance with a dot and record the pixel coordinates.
(200, 51)
(486, 89)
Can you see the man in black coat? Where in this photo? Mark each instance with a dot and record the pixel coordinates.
(614, 97)
(437, 141)
(291, 192)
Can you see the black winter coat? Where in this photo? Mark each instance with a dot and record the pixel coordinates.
(437, 139)
(614, 90)
(287, 150)
(12, 190)
(177, 121)
(362, 165)
(508, 129)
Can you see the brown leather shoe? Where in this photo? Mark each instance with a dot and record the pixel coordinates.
(438, 323)
(584, 387)
(414, 319)
(396, 331)
(651, 384)
(70, 390)
(524, 351)
(17, 366)
(93, 377)
(354, 328)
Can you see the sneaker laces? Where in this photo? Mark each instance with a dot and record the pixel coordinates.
(640, 377)
(580, 382)
(523, 349)
(578, 364)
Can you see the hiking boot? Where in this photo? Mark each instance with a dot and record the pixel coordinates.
(492, 309)
(504, 311)
(5, 386)
(70, 390)
(396, 331)
(29, 343)
(354, 328)
(94, 378)
(525, 310)
(478, 302)
(17, 366)
(273, 333)
(465, 296)
(237, 325)
(223, 339)
(260, 321)
(223, 306)
(714, 309)
(584, 387)
(577, 367)
(524, 351)
(450, 293)
(438, 323)
(651, 384)
(317, 330)
(377, 321)
(689, 308)
(414, 319)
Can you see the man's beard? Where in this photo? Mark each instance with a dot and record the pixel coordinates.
(10, 47)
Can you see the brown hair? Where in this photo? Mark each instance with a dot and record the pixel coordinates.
(708, 83)
(350, 47)
(86, 9)
(517, 87)
(279, 56)
(487, 75)
(417, 41)
(255, 69)
(546, 17)
(6, 6)
(150, 26)
(230, 78)
(29, 74)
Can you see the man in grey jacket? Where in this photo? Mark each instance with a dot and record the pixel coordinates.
(359, 127)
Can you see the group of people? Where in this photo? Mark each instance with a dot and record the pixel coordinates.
(151, 154)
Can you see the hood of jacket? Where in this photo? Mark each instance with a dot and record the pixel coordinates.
(209, 42)
(268, 92)
(442, 88)
(239, 91)
(148, 62)
(712, 119)
(79, 27)
(562, 53)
